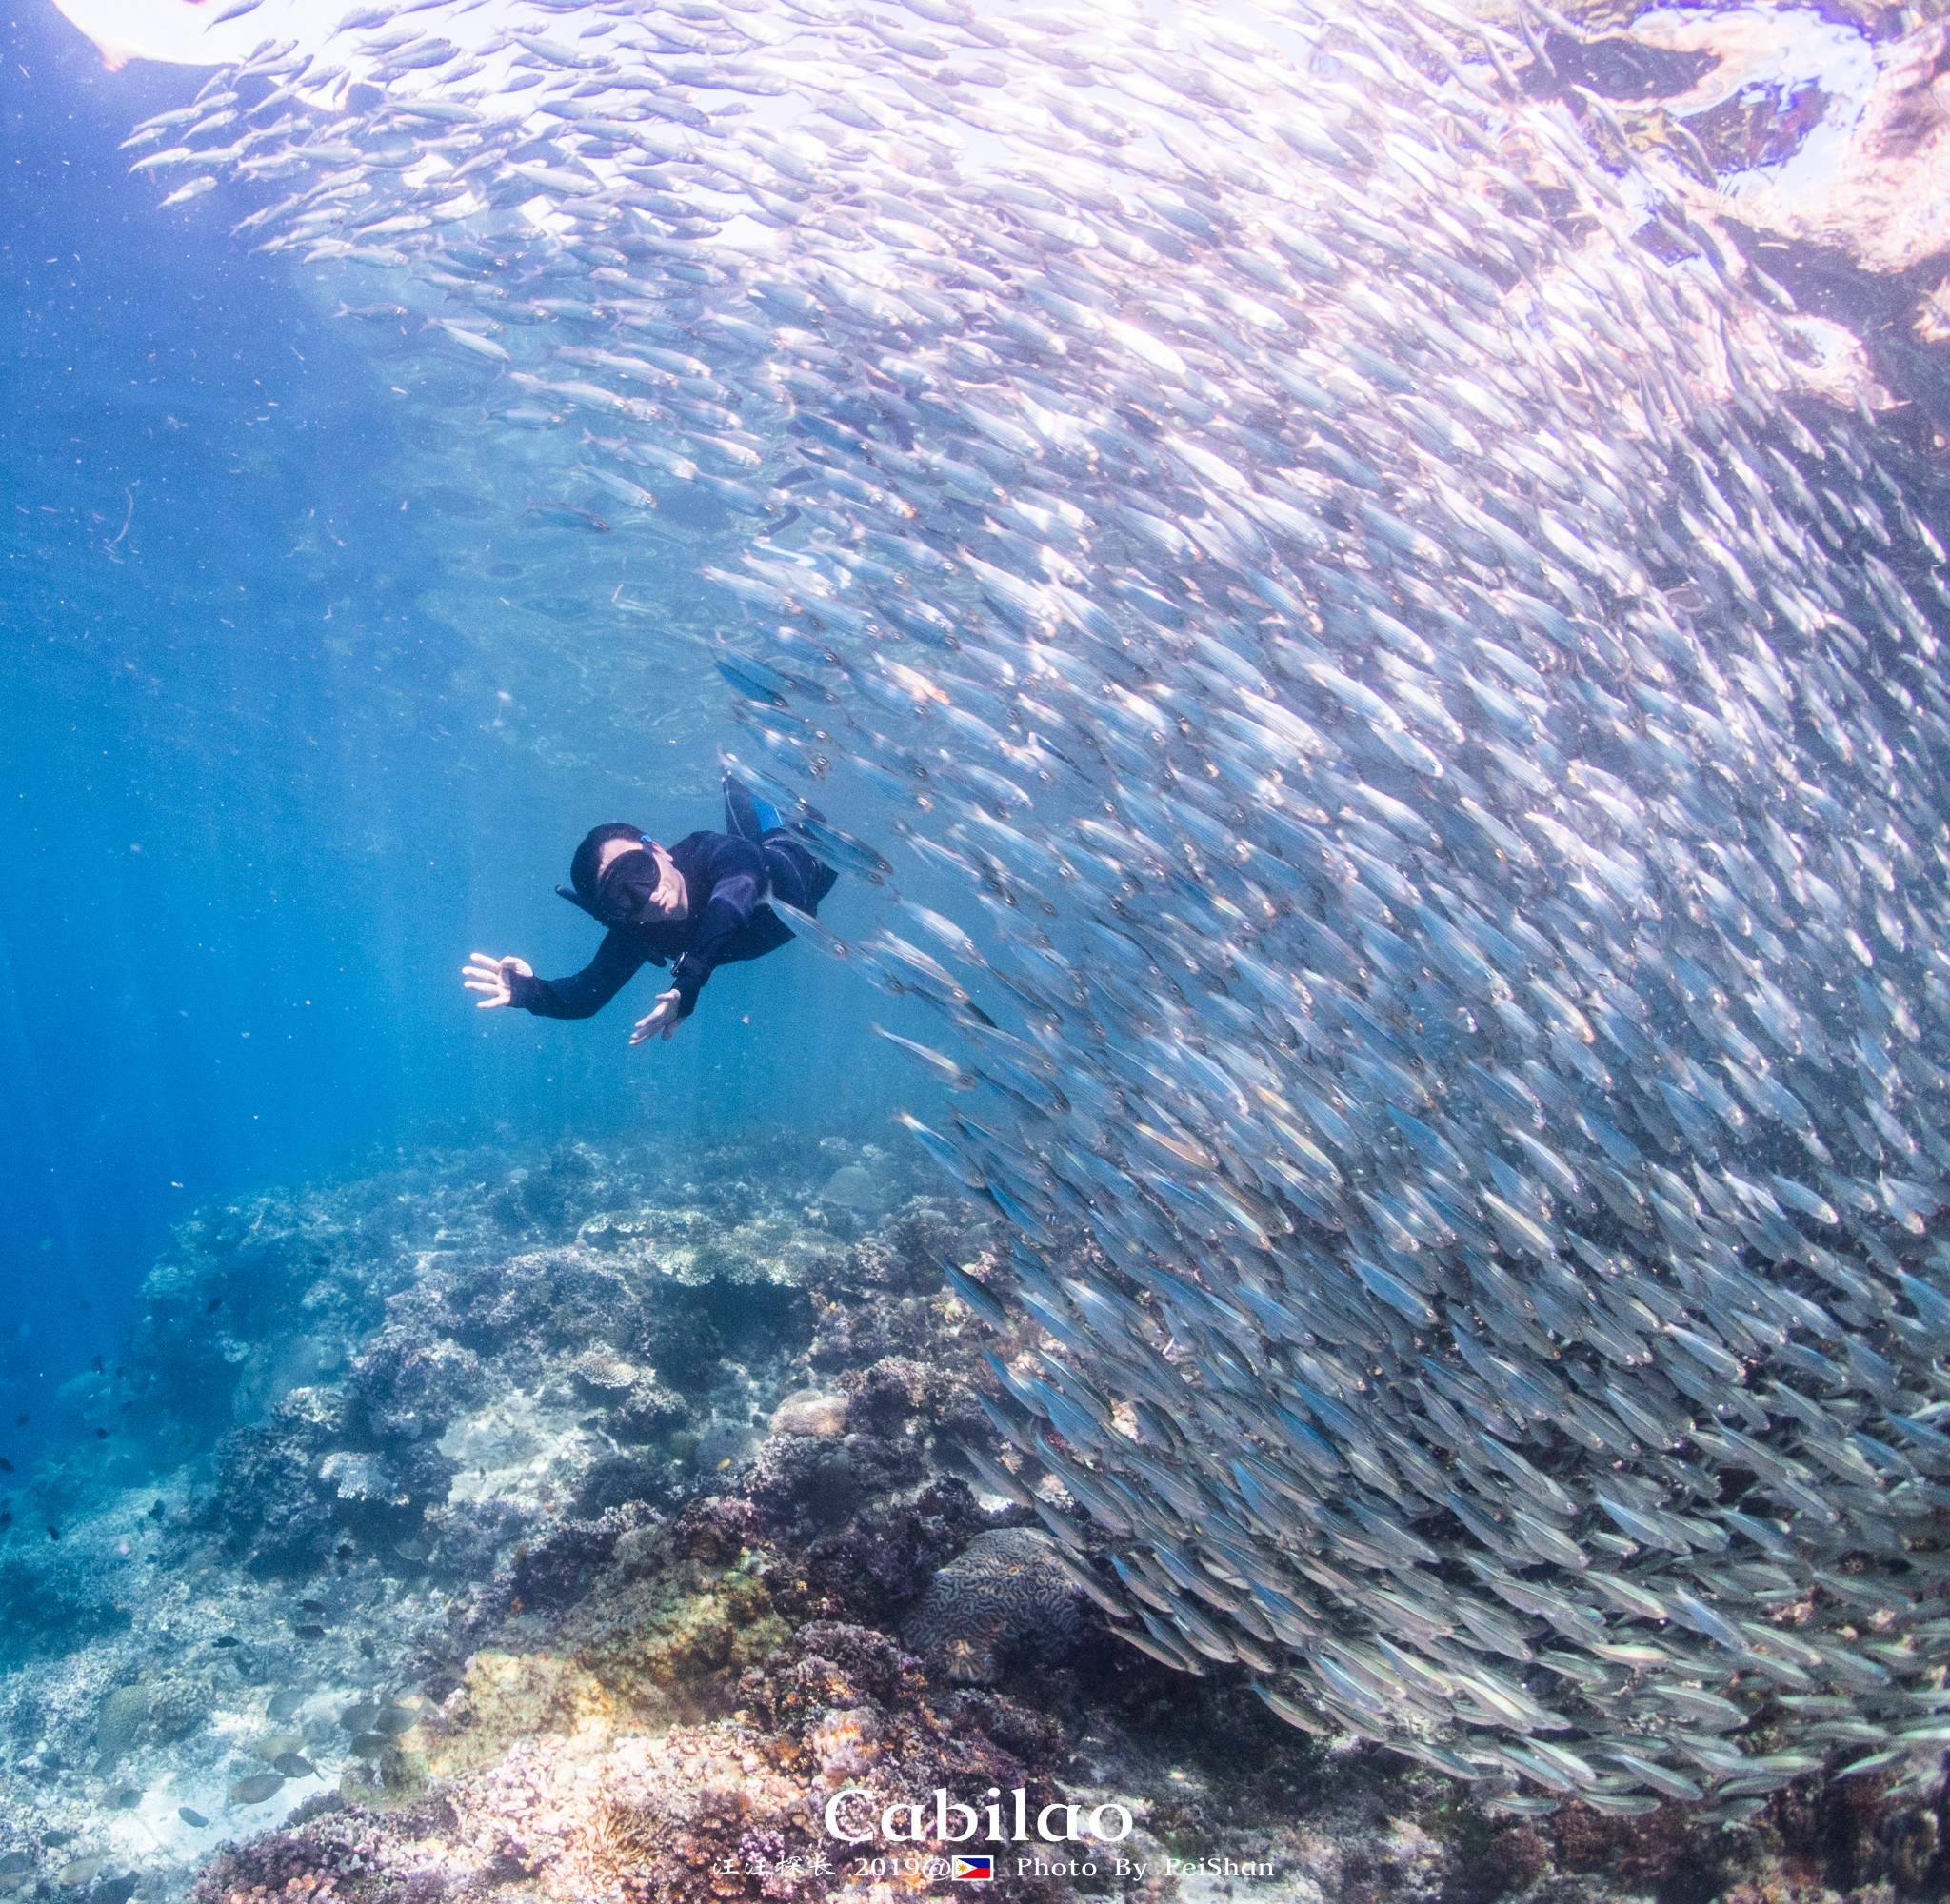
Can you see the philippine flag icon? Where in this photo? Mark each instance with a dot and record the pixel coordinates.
(976, 1870)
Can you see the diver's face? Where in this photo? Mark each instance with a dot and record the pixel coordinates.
(613, 850)
(639, 883)
(670, 898)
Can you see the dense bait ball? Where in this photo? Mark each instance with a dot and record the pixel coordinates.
(1415, 706)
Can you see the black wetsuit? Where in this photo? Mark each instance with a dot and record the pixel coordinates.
(728, 879)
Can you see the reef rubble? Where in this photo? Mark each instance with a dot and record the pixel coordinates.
(575, 1528)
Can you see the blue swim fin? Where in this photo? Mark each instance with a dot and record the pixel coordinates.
(745, 814)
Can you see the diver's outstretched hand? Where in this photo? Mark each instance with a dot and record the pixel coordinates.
(664, 1019)
(484, 973)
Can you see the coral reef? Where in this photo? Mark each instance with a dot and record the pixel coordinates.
(1005, 1589)
(606, 1526)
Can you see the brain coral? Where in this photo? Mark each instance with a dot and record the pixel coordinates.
(1005, 1590)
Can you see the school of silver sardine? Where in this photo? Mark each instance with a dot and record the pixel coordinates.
(1433, 746)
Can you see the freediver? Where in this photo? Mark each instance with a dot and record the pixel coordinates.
(703, 901)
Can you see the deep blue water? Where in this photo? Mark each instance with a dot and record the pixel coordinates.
(255, 813)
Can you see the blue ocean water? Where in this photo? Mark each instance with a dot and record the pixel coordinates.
(260, 804)
(329, 658)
